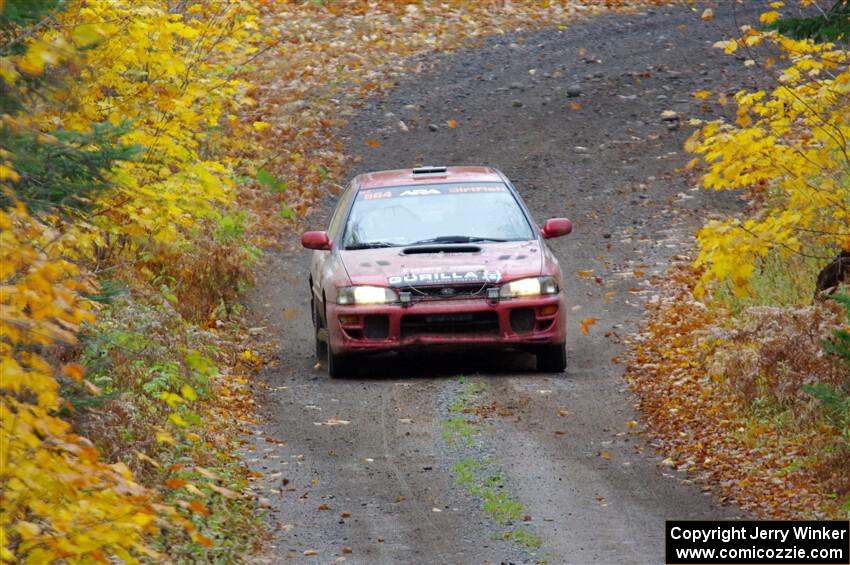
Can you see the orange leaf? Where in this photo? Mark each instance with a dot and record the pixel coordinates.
(373, 143)
(586, 323)
(175, 483)
(203, 540)
(196, 506)
(74, 371)
(605, 455)
(585, 274)
(452, 124)
(575, 105)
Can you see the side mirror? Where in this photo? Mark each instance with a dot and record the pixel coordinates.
(316, 240)
(556, 227)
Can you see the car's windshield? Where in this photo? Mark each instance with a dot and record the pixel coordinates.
(435, 213)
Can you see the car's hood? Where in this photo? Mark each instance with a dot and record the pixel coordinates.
(490, 262)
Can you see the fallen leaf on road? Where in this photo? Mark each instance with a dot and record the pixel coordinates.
(373, 143)
(308, 552)
(345, 514)
(347, 550)
(563, 412)
(452, 124)
(586, 323)
(631, 423)
(605, 455)
(324, 507)
(333, 421)
(585, 274)
(707, 14)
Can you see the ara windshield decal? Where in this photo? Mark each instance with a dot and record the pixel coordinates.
(412, 279)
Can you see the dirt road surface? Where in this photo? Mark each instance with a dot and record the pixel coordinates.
(575, 118)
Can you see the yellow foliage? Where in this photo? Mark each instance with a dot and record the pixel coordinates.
(789, 148)
(170, 76)
(59, 500)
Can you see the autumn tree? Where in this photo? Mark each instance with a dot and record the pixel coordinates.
(788, 148)
(832, 24)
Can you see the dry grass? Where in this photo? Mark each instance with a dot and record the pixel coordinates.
(772, 352)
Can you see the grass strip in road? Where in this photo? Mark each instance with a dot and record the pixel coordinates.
(478, 475)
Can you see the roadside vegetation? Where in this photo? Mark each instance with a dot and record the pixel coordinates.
(120, 251)
(743, 368)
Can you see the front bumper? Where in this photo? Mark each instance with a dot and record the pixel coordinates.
(387, 327)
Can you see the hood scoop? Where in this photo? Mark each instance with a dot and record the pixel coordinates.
(427, 249)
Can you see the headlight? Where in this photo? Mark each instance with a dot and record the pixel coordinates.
(365, 295)
(534, 286)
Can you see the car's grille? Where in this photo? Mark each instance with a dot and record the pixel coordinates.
(447, 292)
(462, 323)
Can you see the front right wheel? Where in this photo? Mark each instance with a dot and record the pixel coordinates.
(339, 367)
(318, 326)
(552, 358)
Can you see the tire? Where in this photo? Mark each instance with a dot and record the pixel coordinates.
(552, 358)
(321, 345)
(339, 366)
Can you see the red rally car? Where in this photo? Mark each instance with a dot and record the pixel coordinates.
(435, 256)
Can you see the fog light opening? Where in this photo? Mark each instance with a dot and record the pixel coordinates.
(349, 320)
(547, 310)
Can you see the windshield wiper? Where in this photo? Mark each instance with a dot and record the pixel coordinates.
(370, 245)
(456, 239)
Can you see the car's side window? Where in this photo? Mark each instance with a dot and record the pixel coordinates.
(339, 213)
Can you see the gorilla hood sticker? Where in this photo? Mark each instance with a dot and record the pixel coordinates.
(461, 276)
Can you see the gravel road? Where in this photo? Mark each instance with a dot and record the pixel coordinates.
(576, 118)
